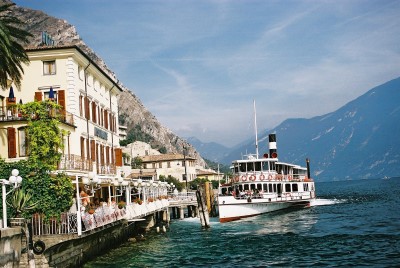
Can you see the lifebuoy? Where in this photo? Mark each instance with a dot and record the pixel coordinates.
(244, 178)
(237, 178)
(270, 177)
(290, 177)
(252, 178)
(39, 247)
(262, 177)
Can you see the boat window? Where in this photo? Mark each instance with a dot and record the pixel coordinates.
(288, 188)
(250, 166)
(252, 186)
(241, 187)
(305, 187)
(265, 166)
(257, 166)
(236, 168)
(246, 187)
(242, 167)
(272, 166)
(270, 188)
(259, 186)
(265, 187)
(274, 188)
(224, 191)
(295, 187)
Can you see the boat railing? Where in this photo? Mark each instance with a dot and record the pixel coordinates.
(264, 176)
(274, 197)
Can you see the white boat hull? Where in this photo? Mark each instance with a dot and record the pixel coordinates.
(231, 209)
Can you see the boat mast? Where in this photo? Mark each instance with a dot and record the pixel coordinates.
(255, 127)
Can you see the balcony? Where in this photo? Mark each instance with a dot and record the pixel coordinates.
(75, 163)
(11, 113)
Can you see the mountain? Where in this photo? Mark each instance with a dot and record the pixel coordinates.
(132, 113)
(210, 150)
(358, 141)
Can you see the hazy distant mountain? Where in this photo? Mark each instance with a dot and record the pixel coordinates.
(211, 150)
(359, 140)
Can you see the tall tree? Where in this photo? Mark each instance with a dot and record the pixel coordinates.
(12, 53)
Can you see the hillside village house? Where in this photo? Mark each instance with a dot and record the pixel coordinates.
(209, 174)
(88, 96)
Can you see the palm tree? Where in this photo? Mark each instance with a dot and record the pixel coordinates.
(12, 53)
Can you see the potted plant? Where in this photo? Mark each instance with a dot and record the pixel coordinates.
(121, 204)
(21, 203)
(138, 201)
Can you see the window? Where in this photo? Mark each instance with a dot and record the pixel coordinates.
(49, 67)
(23, 142)
(160, 165)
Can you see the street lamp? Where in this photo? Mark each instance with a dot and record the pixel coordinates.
(15, 181)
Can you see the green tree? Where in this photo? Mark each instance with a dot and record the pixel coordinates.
(136, 162)
(12, 53)
(44, 134)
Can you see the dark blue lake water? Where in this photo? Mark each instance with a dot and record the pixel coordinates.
(352, 223)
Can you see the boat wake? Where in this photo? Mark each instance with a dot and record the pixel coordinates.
(324, 202)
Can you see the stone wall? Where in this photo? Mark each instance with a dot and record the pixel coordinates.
(10, 247)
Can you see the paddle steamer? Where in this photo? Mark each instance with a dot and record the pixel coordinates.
(261, 185)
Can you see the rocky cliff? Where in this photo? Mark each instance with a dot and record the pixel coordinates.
(131, 110)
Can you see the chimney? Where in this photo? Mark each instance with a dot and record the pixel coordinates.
(272, 146)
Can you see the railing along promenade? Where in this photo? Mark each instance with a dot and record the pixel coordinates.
(183, 199)
(107, 214)
(100, 217)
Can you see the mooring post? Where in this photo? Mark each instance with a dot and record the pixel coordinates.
(204, 217)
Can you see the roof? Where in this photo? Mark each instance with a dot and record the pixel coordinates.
(201, 172)
(164, 157)
(142, 173)
(42, 48)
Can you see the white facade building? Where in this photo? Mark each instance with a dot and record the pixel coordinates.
(90, 110)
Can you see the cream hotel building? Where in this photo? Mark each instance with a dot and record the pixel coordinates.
(88, 97)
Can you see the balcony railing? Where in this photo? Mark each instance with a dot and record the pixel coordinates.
(12, 114)
(75, 162)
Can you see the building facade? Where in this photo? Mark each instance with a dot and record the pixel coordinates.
(88, 97)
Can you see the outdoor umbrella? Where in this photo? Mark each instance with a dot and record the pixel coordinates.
(51, 94)
(11, 96)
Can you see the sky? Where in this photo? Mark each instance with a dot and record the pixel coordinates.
(197, 65)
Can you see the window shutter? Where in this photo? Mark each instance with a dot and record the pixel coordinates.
(118, 157)
(93, 149)
(94, 110)
(87, 115)
(61, 98)
(12, 145)
(83, 147)
(107, 155)
(38, 96)
(106, 119)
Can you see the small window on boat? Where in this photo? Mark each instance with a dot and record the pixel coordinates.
(246, 187)
(270, 188)
(242, 167)
(265, 187)
(265, 166)
(250, 167)
(272, 166)
(305, 186)
(257, 166)
(288, 188)
(295, 187)
(274, 188)
(259, 186)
